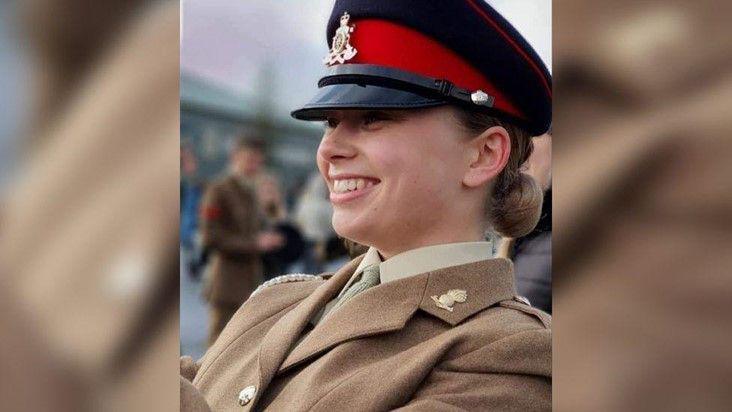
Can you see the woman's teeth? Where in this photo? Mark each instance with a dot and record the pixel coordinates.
(349, 185)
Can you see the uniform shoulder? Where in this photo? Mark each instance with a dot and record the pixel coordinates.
(509, 316)
(279, 280)
(522, 304)
(510, 337)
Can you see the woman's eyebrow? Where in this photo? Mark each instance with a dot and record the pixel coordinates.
(390, 114)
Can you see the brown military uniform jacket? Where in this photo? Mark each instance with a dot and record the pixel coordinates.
(230, 222)
(642, 246)
(390, 347)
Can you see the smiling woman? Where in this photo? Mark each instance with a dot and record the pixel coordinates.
(425, 139)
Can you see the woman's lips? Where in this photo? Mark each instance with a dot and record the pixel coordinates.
(347, 189)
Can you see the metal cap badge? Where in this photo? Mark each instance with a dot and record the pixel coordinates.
(341, 49)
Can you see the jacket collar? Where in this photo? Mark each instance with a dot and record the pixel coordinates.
(388, 307)
(486, 283)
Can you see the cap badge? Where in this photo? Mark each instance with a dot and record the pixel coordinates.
(341, 50)
(447, 300)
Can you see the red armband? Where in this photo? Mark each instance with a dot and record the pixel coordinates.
(211, 212)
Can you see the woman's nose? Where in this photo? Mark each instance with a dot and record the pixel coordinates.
(336, 145)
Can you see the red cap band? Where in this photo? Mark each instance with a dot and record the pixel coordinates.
(384, 43)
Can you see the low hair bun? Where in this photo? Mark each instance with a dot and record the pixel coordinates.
(517, 206)
(514, 205)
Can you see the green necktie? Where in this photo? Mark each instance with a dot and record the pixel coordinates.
(369, 278)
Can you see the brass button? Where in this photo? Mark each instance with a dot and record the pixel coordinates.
(247, 394)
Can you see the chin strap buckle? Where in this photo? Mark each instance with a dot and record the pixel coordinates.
(445, 87)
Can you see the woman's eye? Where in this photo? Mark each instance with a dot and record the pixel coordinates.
(331, 123)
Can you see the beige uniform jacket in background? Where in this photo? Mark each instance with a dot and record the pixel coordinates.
(89, 236)
(391, 346)
(230, 223)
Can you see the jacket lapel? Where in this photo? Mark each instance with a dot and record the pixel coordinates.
(277, 342)
(485, 283)
(381, 309)
(388, 307)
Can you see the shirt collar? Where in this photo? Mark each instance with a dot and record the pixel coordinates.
(425, 259)
(429, 258)
(371, 257)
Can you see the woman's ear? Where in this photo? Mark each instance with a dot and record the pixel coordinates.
(488, 154)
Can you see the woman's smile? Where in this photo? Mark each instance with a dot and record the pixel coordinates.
(345, 188)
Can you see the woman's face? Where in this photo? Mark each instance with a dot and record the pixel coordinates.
(394, 176)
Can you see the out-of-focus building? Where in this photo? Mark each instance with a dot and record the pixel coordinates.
(14, 99)
(213, 117)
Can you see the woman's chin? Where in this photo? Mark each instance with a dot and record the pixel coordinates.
(351, 227)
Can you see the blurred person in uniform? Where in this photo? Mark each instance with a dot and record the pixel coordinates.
(643, 200)
(232, 230)
(425, 138)
(90, 289)
(532, 254)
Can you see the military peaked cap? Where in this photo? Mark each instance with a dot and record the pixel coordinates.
(401, 54)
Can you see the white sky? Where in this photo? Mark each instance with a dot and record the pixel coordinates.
(229, 41)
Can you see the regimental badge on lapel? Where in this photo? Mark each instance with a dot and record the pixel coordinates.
(447, 300)
(341, 50)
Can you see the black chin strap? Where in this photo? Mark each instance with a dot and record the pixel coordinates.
(368, 74)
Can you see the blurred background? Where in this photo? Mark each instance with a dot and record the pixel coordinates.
(14, 84)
